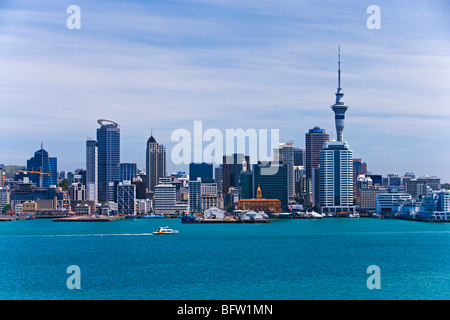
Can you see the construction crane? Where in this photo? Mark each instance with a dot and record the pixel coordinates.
(38, 172)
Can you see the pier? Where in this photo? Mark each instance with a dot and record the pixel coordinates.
(228, 221)
(89, 219)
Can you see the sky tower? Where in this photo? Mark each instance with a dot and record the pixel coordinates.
(339, 107)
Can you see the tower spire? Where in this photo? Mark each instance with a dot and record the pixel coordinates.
(339, 67)
(339, 107)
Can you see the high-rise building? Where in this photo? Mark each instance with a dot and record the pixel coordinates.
(273, 186)
(299, 156)
(218, 177)
(108, 143)
(246, 185)
(41, 162)
(126, 197)
(232, 167)
(315, 139)
(91, 170)
(165, 199)
(286, 155)
(336, 177)
(201, 170)
(155, 163)
(195, 196)
(128, 171)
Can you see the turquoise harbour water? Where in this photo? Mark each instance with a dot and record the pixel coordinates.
(282, 260)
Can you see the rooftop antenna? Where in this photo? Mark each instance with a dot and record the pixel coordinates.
(339, 67)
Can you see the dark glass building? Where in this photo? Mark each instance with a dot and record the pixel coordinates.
(273, 186)
(43, 163)
(128, 171)
(108, 143)
(315, 140)
(232, 167)
(246, 185)
(201, 170)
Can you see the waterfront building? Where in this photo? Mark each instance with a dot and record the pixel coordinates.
(204, 171)
(144, 206)
(108, 143)
(273, 186)
(165, 199)
(315, 139)
(195, 196)
(42, 162)
(126, 197)
(155, 163)
(128, 171)
(385, 201)
(29, 207)
(91, 169)
(336, 178)
(209, 196)
(368, 196)
(109, 208)
(82, 210)
(260, 204)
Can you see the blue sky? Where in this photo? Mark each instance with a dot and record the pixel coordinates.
(232, 64)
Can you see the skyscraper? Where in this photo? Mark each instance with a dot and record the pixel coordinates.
(155, 163)
(231, 169)
(336, 177)
(91, 170)
(108, 143)
(195, 196)
(286, 155)
(43, 163)
(315, 140)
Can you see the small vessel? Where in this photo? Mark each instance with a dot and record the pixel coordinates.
(152, 215)
(165, 230)
(353, 215)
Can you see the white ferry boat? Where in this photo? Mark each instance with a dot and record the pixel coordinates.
(165, 230)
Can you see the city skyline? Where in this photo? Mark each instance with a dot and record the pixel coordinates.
(250, 66)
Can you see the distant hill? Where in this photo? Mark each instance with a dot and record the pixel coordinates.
(11, 170)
